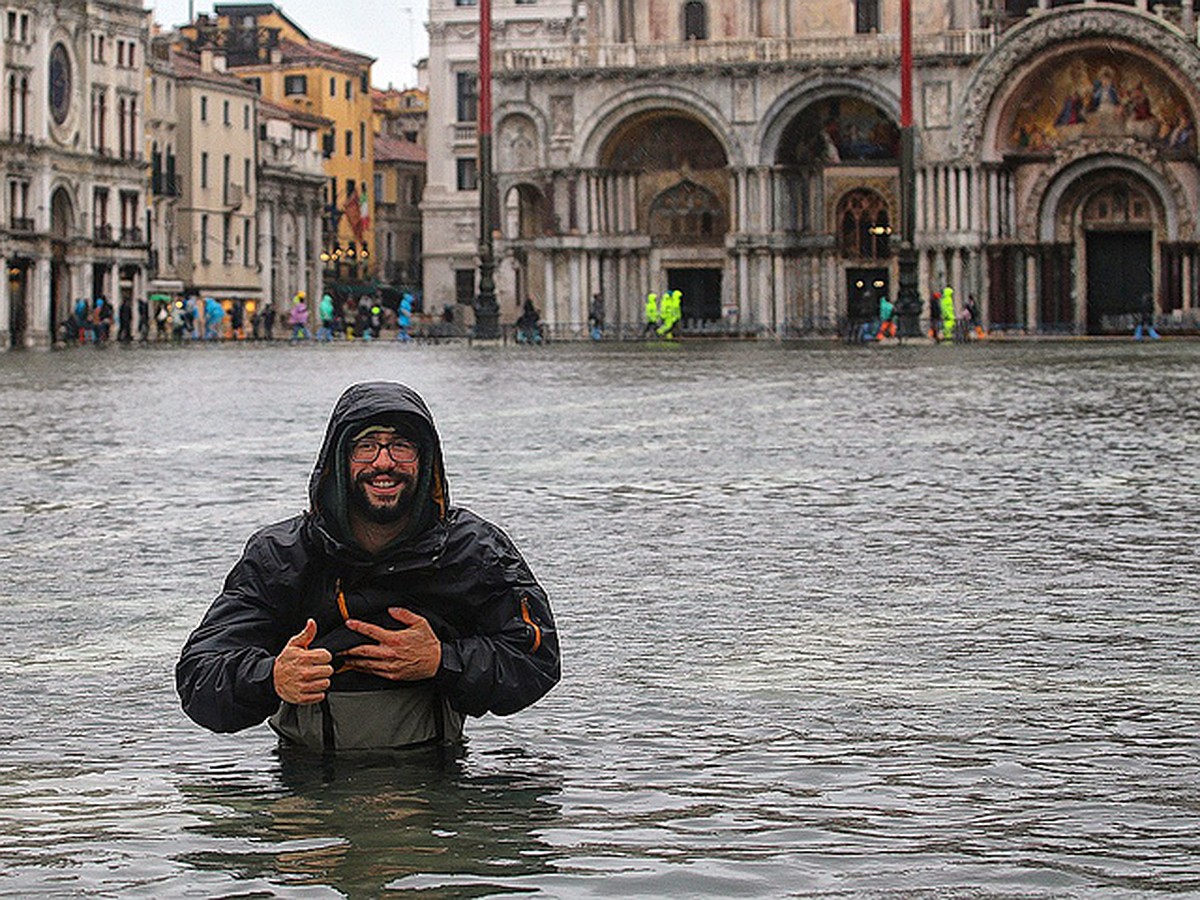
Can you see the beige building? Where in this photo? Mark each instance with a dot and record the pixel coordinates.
(74, 171)
(747, 154)
(167, 249)
(285, 65)
(215, 217)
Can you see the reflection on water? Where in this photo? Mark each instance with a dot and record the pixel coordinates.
(358, 826)
(881, 621)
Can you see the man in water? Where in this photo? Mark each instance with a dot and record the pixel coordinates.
(382, 616)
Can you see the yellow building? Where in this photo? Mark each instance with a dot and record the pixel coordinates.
(265, 48)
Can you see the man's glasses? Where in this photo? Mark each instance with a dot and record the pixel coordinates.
(367, 450)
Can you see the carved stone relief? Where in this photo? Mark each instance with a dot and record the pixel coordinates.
(518, 145)
(562, 117)
(936, 106)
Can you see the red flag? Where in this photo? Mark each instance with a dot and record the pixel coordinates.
(353, 208)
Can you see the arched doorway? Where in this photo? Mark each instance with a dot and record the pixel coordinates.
(1118, 220)
(839, 157)
(1100, 131)
(61, 224)
(669, 176)
(526, 219)
(17, 273)
(690, 213)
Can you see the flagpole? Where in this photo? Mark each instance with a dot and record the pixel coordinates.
(487, 311)
(908, 301)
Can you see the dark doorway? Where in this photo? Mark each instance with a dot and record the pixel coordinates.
(18, 318)
(1119, 271)
(864, 287)
(701, 290)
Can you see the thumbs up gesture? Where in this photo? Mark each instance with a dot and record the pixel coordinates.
(301, 675)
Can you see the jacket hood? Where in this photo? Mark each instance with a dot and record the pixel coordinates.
(376, 403)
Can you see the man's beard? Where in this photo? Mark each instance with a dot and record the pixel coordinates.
(382, 515)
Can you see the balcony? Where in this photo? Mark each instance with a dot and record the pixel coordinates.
(131, 237)
(854, 49)
(233, 195)
(165, 185)
(463, 133)
(21, 225)
(102, 234)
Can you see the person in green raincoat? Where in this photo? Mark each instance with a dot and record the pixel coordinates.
(948, 317)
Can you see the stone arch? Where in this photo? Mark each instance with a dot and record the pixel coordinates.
(790, 106)
(658, 150)
(1023, 49)
(599, 126)
(1043, 210)
(526, 212)
(839, 129)
(654, 140)
(519, 141)
(62, 213)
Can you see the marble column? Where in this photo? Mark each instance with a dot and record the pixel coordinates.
(5, 309)
(37, 305)
(1031, 292)
(576, 289)
(550, 301)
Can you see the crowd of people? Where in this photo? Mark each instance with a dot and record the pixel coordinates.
(367, 318)
(193, 318)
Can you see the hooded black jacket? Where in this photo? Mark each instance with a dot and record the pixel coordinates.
(499, 645)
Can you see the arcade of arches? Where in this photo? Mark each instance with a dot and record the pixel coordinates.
(1062, 199)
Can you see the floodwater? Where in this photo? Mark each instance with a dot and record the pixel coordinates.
(883, 621)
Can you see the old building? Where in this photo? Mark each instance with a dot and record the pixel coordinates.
(399, 183)
(400, 161)
(287, 66)
(167, 247)
(72, 224)
(203, 177)
(748, 155)
(291, 188)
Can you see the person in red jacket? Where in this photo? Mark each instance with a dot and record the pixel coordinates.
(382, 616)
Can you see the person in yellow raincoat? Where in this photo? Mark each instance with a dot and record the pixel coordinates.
(652, 316)
(672, 312)
(948, 318)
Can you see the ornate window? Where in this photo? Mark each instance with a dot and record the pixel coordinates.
(695, 21)
(687, 212)
(864, 229)
(1116, 206)
(866, 16)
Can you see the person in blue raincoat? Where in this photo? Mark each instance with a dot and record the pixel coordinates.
(213, 314)
(404, 316)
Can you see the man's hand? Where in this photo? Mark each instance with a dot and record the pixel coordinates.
(301, 675)
(411, 653)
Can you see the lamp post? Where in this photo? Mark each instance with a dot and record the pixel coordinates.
(908, 301)
(487, 311)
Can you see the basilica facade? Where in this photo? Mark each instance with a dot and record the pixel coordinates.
(73, 159)
(748, 155)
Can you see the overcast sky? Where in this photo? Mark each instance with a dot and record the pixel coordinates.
(392, 31)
